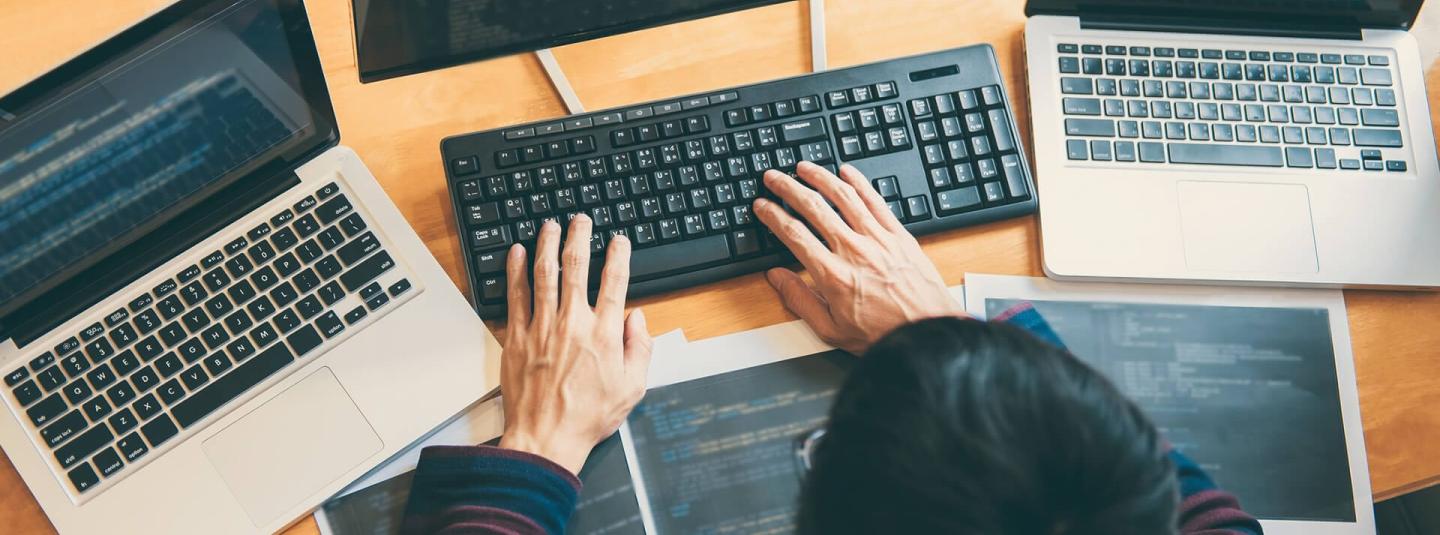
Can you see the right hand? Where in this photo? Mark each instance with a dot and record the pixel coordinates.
(871, 279)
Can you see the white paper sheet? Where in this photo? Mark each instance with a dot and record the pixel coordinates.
(979, 288)
(482, 422)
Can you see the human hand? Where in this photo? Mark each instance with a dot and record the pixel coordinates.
(872, 278)
(570, 373)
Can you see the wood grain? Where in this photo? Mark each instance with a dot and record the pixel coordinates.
(396, 126)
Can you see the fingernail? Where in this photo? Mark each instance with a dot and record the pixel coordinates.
(547, 224)
(805, 163)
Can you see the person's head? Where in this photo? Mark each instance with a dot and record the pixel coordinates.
(958, 426)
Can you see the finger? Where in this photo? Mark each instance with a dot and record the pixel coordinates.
(547, 273)
(803, 302)
(615, 279)
(810, 205)
(872, 199)
(842, 194)
(575, 264)
(519, 291)
(638, 345)
(795, 235)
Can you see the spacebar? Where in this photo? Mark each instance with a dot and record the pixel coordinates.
(1226, 155)
(659, 261)
(231, 385)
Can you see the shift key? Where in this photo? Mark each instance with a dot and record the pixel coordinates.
(1090, 127)
(85, 444)
(366, 271)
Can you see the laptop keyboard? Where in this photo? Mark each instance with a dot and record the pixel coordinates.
(1259, 108)
(128, 385)
(678, 176)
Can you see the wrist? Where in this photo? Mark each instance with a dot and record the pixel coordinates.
(565, 453)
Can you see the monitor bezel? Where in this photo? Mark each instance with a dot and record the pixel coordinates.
(367, 76)
(277, 165)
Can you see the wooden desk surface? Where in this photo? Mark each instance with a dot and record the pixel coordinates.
(396, 126)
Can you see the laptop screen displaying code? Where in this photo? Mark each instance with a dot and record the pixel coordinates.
(108, 158)
(397, 37)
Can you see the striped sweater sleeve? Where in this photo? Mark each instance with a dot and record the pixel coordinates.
(1205, 509)
(487, 490)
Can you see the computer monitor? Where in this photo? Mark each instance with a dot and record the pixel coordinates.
(399, 37)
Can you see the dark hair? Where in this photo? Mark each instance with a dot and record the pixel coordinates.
(959, 426)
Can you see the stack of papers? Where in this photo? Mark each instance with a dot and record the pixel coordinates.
(1256, 384)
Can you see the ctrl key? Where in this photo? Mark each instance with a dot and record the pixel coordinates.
(492, 290)
(108, 462)
(83, 477)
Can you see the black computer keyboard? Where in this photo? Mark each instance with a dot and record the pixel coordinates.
(677, 176)
(1260, 108)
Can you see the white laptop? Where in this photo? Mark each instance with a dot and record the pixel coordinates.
(1241, 142)
(211, 316)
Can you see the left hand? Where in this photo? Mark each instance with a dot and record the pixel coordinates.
(570, 373)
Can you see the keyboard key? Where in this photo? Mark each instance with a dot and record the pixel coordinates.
(50, 378)
(204, 401)
(366, 271)
(147, 406)
(657, 261)
(82, 446)
(194, 377)
(1299, 157)
(399, 287)
(1080, 106)
(46, 410)
(27, 393)
(83, 477)
(1204, 154)
(953, 201)
(1077, 86)
(132, 447)
(1090, 127)
(63, 428)
(14, 377)
(123, 421)
(1370, 137)
(159, 430)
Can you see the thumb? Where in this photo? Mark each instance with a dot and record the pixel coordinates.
(802, 300)
(637, 347)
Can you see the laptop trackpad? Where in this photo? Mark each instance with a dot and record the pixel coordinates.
(292, 446)
(1239, 227)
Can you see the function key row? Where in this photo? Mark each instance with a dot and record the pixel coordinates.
(575, 124)
(779, 109)
(856, 96)
(1234, 55)
(671, 129)
(529, 154)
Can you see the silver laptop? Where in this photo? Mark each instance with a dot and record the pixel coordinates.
(212, 315)
(1241, 142)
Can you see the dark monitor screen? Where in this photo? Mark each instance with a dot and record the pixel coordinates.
(1365, 13)
(398, 37)
(126, 137)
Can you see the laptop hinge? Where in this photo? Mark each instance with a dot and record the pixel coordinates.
(1311, 29)
(140, 258)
